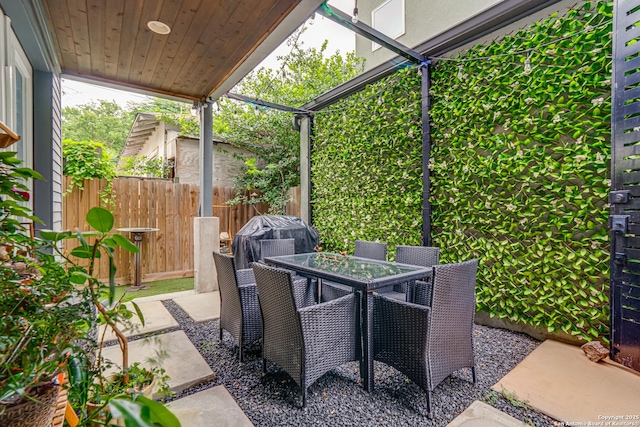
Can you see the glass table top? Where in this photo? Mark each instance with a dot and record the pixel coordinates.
(361, 269)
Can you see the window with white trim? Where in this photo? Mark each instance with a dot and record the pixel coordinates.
(388, 18)
(17, 82)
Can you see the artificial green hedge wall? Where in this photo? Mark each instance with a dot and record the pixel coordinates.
(366, 166)
(519, 169)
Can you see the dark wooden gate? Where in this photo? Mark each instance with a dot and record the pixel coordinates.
(625, 194)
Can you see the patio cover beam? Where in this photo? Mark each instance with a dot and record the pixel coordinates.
(262, 103)
(370, 33)
(486, 22)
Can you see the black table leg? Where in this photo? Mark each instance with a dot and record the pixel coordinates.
(366, 364)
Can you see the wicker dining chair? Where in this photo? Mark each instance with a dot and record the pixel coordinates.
(306, 342)
(423, 256)
(428, 344)
(371, 250)
(305, 290)
(277, 247)
(239, 307)
(364, 249)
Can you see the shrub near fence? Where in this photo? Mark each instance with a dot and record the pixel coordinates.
(519, 169)
(162, 204)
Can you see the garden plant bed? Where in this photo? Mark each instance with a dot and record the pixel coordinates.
(338, 399)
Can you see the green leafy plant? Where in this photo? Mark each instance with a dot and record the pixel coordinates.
(142, 166)
(13, 193)
(88, 160)
(519, 169)
(44, 315)
(366, 166)
(88, 371)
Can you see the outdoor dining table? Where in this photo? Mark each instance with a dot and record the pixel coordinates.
(365, 276)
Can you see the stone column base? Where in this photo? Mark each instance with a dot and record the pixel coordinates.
(206, 239)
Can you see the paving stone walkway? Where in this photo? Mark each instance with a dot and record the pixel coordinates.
(181, 360)
(215, 407)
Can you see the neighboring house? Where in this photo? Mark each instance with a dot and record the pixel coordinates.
(152, 137)
(416, 22)
(410, 22)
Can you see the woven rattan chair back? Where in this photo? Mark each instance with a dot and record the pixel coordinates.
(239, 310)
(306, 342)
(423, 256)
(305, 295)
(277, 247)
(429, 343)
(453, 305)
(371, 250)
(282, 341)
(230, 304)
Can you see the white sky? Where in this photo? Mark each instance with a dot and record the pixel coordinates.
(76, 93)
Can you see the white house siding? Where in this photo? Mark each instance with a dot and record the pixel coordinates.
(423, 20)
(154, 146)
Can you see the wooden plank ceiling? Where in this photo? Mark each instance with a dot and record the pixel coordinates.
(109, 41)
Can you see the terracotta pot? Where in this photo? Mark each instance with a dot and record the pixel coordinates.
(146, 391)
(32, 413)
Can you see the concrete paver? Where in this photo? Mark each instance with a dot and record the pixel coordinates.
(175, 353)
(156, 318)
(200, 307)
(479, 414)
(559, 380)
(213, 407)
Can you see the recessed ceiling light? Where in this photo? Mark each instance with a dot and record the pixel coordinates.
(159, 27)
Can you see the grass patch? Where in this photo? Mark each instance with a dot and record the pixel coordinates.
(157, 288)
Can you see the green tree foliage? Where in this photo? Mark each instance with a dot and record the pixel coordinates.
(519, 169)
(103, 121)
(142, 166)
(268, 133)
(177, 113)
(87, 160)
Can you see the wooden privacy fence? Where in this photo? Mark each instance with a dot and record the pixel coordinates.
(157, 203)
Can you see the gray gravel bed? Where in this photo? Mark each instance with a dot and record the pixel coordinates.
(337, 399)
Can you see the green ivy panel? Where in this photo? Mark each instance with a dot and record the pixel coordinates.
(519, 169)
(366, 166)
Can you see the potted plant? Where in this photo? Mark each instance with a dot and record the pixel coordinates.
(44, 314)
(49, 305)
(99, 396)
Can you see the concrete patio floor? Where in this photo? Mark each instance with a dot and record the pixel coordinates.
(551, 369)
(560, 381)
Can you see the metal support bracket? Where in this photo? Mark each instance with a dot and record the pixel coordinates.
(619, 223)
(619, 197)
(619, 258)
